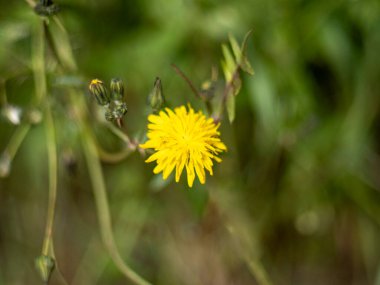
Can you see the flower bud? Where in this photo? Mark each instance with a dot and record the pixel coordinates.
(208, 90)
(109, 115)
(120, 110)
(45, 266)
(98, 89)
(156, 98)
(117, 89)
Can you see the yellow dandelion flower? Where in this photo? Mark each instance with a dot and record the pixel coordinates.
(182, 139)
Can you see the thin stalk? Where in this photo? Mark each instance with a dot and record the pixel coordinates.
(120, 134)
(64, 52)
(53, 170)
(41, 96)
(11, 149)
(102, 204)
(258, 271)
(16, 140)
(38, 63)
(3, 94)
(113, 157)
(188, 81)
(193, 88)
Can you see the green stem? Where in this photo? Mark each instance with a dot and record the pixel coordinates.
(113, 157)
(3, 95)
(41, 96)
(53, 169)
(16, 140)
(258, 271)
(120, 134)
(102, 205)
(38, 61)
(64, 52)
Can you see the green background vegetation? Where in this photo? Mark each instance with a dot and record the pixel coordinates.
(297, 196)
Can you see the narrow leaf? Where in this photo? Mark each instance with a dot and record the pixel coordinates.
(230, 64)
(226, 71)
(236, 85)
(230, 106)
(244, 63)
(235, 48)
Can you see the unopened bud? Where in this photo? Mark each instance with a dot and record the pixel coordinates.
(208, 90)
(117, 89)
(109, 115)
(45, 266)
(156, 98)
(120, 110)
(98, 89)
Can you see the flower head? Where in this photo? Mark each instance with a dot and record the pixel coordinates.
(117, 89)
(98, 89)
(183, 139)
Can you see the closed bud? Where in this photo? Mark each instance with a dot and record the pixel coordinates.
(98, 89)
(109, 115)
(208, 90)
(117, 89)
(120, 110)
(45, 266)
(156, 98)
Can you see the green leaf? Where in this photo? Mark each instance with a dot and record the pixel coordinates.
(236, 85)
(246, 66)
(244, 63)
(235, 48)
(230, 106)
(227, 73)
(228, 64)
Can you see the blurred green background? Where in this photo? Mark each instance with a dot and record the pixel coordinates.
(298, 192)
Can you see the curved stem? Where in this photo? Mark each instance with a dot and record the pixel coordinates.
(113, 157)
(101, 201)
(16, 140)
(39, 72)
(64, 52)
(120, 134)
(188, 81)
